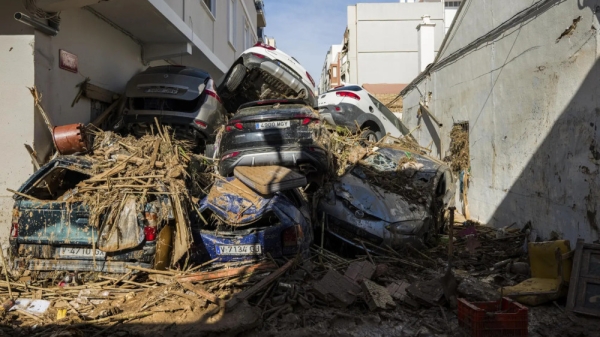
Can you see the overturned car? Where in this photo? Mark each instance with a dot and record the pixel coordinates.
(265, 72)
(243, 226)
(391, 197)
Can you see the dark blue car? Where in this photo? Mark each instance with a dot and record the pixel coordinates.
(244, 226)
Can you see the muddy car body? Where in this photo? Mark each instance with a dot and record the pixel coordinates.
(264, 72)
(243, 226)
(273, 132)
(48, 233)
(351, 106)
(359, 207)
(182, 97)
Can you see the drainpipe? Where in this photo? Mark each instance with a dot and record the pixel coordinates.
(44, 28)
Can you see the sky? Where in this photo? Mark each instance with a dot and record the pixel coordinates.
(305, 29)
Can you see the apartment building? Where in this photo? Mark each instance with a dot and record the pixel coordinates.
(386, 45)
(330, 74)
(57, 44)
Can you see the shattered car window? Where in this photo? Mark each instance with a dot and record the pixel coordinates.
(56, 183)
(381, 163)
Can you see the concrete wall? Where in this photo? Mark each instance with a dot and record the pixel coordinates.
(532, 104)
(383, 44)
(16, 110)
(108, 57)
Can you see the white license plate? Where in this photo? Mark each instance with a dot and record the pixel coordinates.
(273, 125)
(239, 250)
(80, 252)
(162, 90)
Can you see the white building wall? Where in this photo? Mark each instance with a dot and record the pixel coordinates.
(213, 29)
(531, 101)
(106, 56)
(383, 43)
(16, 111)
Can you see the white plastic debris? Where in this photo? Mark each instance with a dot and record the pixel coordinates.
(35, 307)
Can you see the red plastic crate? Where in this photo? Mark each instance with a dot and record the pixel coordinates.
(489, 319)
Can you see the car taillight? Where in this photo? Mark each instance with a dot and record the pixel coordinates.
(230, 155)
(234, 125)
(310, 78)
(151, 224)
(200, 123)
(14, 228)
(307, 121)
(264, 45)
(150, 233)
(292, 237)
(347, 94)
(213, 94)
(258, 55)
(337, 108)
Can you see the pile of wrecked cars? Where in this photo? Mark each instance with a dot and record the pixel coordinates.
(264, 145)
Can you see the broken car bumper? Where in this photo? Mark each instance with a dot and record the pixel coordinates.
(113, 267)
(314, 156)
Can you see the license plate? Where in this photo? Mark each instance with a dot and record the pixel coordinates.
(80, 252)
(162, 90)
(239, 250)
(273, 125)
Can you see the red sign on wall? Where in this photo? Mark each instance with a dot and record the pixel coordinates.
(67, 61)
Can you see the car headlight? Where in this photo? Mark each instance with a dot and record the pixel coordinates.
(405, 227)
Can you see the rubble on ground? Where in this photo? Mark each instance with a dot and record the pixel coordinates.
(300, 296)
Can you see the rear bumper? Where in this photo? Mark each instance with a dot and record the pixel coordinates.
(113, 267)
(134, 117)
(314, 156)
(283, 75)
(270, 241)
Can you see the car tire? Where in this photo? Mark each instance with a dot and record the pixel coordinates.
(235, 77)
(370, 136)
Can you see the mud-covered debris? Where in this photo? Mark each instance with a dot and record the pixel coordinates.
(376, 296)
(338, 288)
(429, 293)
(361, 270)
(476, 290)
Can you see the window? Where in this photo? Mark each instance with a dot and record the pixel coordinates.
(232, 20)
(246, 35)
(212, 7)
(334, 71)
(452, 4)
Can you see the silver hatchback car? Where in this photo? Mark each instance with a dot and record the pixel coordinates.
(182, 97)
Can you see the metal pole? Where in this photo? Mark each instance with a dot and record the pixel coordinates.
(451, 234)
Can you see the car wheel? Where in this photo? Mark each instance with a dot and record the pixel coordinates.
(369, 136)
(235, 78)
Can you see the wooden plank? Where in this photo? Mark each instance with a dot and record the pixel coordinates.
(33, 155)
(97, 93)
(104, 115)
(246, 294)
(225, 273)
(202, 293)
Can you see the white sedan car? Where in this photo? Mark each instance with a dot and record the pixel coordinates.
(264, 72)
(353, 107)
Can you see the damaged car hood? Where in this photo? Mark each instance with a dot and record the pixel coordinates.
(376, 201)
